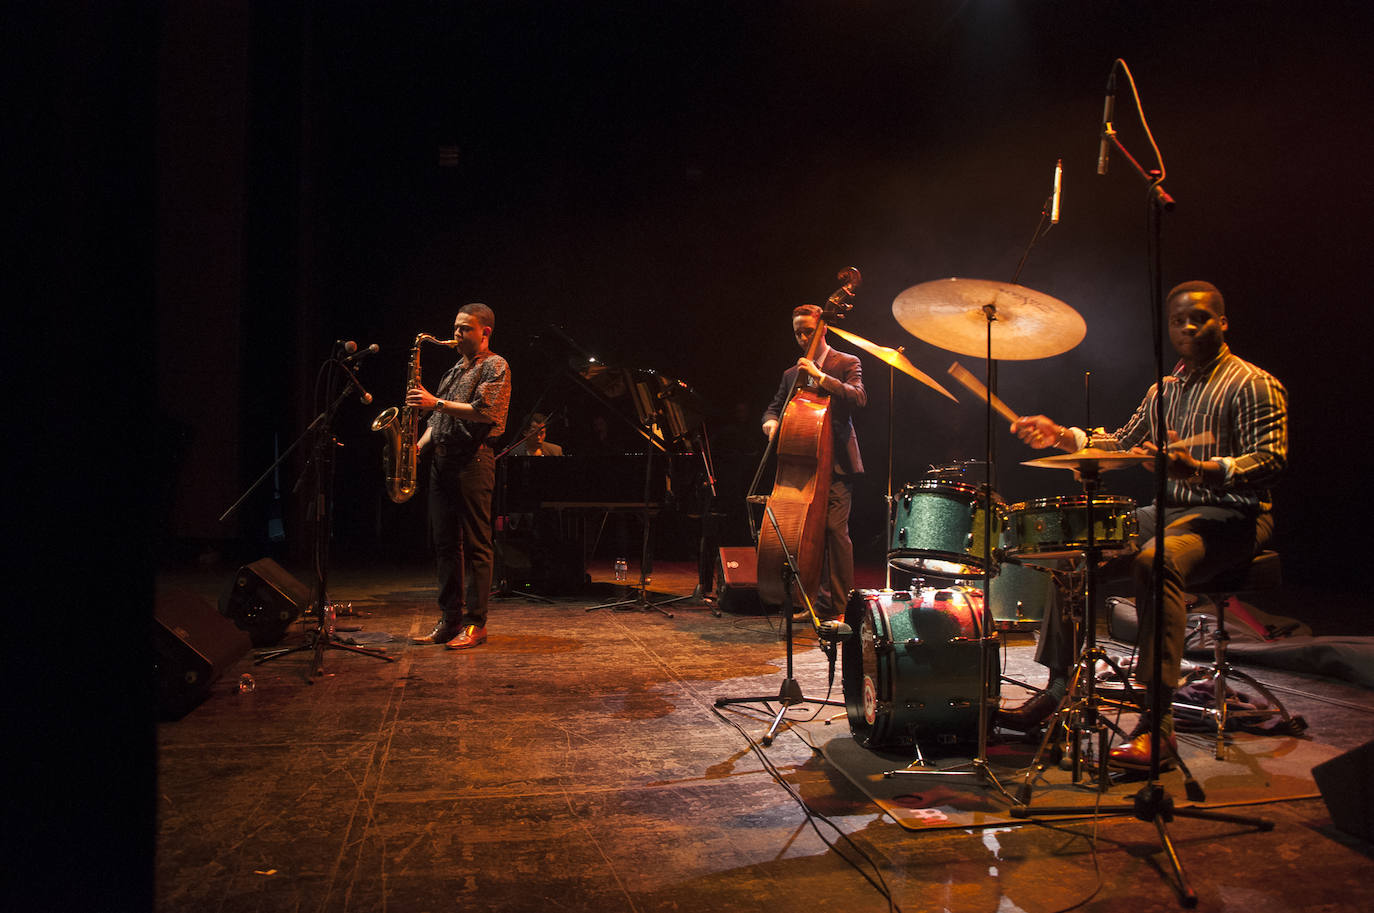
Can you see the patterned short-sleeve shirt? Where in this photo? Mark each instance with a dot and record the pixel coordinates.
(484, 383)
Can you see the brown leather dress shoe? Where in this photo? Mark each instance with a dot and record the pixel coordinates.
(1028, 715)
(1135, 754)
(443, 632)
(470, 637)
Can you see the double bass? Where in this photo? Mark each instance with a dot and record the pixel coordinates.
(801, 488)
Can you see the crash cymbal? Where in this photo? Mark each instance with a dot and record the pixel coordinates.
(1090, 458)
(892, 357)
(949, 313)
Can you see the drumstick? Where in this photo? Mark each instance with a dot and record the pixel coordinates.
(975, 385)
(1200, 439)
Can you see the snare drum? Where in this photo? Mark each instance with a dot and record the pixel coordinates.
(911, 669)
(1053, 528)
(937, 528)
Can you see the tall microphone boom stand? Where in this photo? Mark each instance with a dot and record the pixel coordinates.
(1153, 802)
(790, 692)
(323, 638)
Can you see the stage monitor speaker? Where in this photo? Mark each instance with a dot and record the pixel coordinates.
(193, 645)
(1347, 787)
(263, 599)
(737, 582)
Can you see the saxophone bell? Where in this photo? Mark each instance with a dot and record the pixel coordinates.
(400, 425)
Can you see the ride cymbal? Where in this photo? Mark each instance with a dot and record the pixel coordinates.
(950, 313)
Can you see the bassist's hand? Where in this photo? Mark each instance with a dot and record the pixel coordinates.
(809, 367)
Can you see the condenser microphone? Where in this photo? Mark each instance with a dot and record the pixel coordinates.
(1108, 107)
(1058, 179)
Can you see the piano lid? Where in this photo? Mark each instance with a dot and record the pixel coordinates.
(662, 409)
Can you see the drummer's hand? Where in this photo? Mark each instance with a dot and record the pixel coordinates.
(1037, 430)
(1181, 462)
(769, 427)
(809, 367)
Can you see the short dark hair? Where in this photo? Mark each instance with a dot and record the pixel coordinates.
(1197, 285)
(807, 310)
(485, 315)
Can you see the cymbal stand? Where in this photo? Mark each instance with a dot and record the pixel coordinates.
(978, 765)
(1078, 712)
(323, 637)
(641, 600)
(790, 691)
(1153, 802)
(891, 504)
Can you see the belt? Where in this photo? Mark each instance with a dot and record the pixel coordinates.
(466, 448)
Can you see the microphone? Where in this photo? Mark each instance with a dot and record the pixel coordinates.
(1108, 106)
(355, 354)
(363, 396)
(1058, 178)
(834, 631)
(347, 345)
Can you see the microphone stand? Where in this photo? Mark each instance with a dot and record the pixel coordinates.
(323, 637)
(1152, 802)
(790, 691)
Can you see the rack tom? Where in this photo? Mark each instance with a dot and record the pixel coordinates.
(937, 528)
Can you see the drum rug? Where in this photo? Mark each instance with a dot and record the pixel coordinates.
(1257, 769)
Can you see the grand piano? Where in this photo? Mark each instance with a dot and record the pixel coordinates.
(641, 455)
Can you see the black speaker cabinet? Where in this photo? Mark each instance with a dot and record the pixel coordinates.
(263, 600)
(193, 645)
(737, 582)
(1347, 786)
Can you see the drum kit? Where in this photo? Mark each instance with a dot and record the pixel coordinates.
(921, 665)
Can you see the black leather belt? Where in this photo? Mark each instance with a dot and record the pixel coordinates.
(466, 448)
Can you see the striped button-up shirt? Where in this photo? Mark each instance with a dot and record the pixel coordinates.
(485, 384)
(1244, 408)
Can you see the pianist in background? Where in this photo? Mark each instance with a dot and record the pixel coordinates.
(534, 443)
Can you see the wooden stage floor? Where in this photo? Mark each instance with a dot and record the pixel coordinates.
(577, 762)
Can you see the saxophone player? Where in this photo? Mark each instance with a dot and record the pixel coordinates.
(466, 416)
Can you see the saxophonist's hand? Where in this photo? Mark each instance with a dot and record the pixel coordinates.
(420, 398)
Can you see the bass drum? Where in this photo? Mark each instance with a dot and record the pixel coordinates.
(914, 668)
(937, 528)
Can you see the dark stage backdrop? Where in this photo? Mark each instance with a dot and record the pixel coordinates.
(665, 181)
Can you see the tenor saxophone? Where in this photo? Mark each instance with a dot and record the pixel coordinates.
(400, 424)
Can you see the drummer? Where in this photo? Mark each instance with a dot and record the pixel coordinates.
(1219, 506)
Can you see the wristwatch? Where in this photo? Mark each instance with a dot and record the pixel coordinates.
(439, 405)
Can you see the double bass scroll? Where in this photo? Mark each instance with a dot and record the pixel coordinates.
(801, 488)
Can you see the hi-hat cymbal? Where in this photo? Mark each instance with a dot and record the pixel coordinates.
(1090, 458)
(949, 313)
(892, 357)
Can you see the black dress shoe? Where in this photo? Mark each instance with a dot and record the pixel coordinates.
(1028, 715)
(443, 632)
